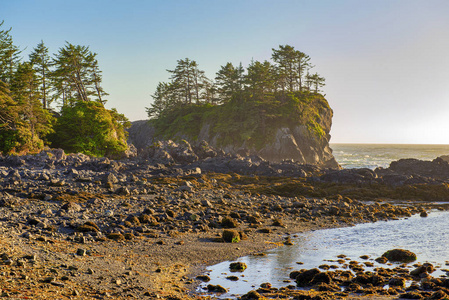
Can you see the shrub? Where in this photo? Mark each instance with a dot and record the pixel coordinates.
(89, 128)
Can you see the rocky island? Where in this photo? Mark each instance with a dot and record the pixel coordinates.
(295, 140)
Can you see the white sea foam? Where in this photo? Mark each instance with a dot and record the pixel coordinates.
(381, 155)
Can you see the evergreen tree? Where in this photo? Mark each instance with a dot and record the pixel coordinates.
(292, 66)
(161, 100)
(303, 65)
(41, 62)
(209, 92)
(316, 80)
(287, 58)
(76, 76)
(9, 137)
(9, 55)
(260, 79)
(229, 81)
(33, 118)
(187, 81)
(96, 79)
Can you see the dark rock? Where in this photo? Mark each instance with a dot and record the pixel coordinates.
(381, 260)
(116, 236)
(326, 287)
(278, 222)
(397, 282)
(237, 266)
(411, 295)
(438, 295)
(203, 278)
(423, 214)
(88, 227)
(80, 252)
(288, 242)
(228, 222)
(231, 236)
(322, 277)
(216, 288)
(438, 168)
(305, 277)
(426, 267)
(350, 176)
(232, 278)
(400, 255)
(293, 274)
(251, 295)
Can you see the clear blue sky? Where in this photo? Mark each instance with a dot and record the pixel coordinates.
(386, 62)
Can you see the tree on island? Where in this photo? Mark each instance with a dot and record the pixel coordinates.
(243, 105)
(263, 81)
(229, 81)
(315, 80)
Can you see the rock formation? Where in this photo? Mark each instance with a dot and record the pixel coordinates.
(297, 144)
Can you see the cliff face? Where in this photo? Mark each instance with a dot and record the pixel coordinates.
(298, 143)
(303, 138)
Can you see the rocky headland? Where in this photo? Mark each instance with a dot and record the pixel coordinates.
(73, 226)
(296, 128)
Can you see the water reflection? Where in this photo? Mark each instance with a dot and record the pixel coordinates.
(427, 237)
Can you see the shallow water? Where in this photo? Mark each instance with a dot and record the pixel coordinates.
(381, 155)
(427, 237)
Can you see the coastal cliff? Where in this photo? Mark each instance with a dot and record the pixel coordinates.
(296, 128)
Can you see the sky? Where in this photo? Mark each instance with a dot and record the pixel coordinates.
(386, 62)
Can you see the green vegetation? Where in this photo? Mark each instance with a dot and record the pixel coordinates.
(71, 80)
(90, 128)
(241, 105)
(251, 122)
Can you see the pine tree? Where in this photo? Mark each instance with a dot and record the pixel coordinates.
(34, 121)
(260, 79)
(76, 76)
(229, 81)
(41, 62)
(9, 55)
(286, 58)
(292, 65)
(9, 137)
(188, 80)
(161, 100)
(316, 80)
(303, 66)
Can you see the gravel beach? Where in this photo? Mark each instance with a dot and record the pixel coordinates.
(75, 227)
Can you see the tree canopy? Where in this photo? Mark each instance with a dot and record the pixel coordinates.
(71, 79)
(246, 105)
(288, 72)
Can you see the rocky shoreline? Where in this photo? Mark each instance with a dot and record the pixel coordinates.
(76, 227)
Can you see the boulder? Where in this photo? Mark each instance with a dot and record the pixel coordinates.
(305, 278)
(400, 255)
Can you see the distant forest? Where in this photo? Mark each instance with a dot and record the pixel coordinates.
(289, 72)
(70, 79)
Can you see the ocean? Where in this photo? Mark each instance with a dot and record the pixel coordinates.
(381, 155)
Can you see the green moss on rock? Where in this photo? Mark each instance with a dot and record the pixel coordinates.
(245, 119)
